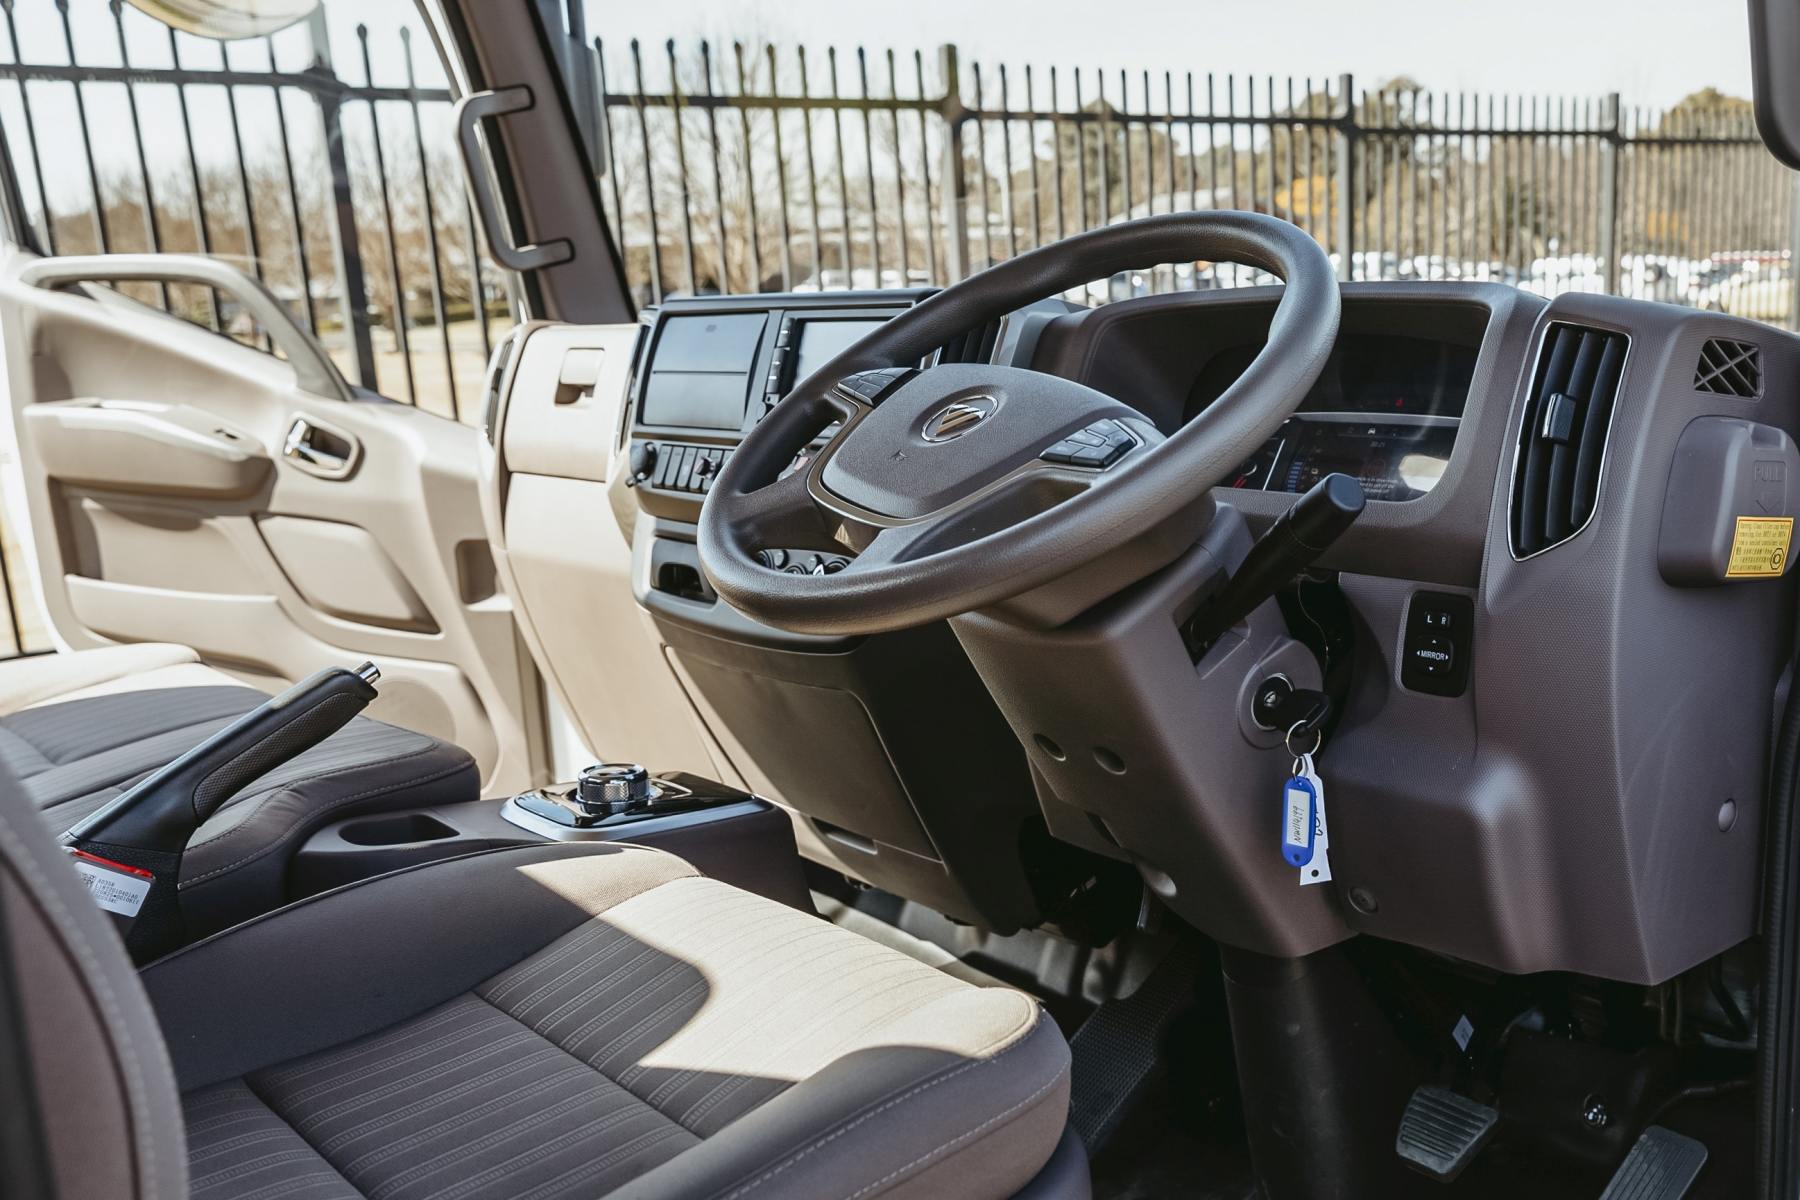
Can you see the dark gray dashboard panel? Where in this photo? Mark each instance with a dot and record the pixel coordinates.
(1148, 353)
(1159, 755)
(1566, 812)
(1563, 812)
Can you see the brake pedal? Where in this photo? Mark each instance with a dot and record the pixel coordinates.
(1441, 1132)
(1662, 1165)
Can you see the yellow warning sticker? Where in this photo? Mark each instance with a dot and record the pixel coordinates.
(1759, 547)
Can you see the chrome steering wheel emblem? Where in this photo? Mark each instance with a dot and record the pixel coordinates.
(954, 420)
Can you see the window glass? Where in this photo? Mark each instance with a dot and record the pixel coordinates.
(319, 159)
(815, 145)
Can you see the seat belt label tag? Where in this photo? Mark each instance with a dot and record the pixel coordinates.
(114, 886)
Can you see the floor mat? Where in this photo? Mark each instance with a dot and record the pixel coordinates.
(1118, 1048)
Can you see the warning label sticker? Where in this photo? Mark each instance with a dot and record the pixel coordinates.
(1759, 547)
(115, 891)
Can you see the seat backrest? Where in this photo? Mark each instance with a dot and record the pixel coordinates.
(78, 1041)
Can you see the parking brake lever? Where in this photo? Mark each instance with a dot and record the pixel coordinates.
(141, 835)
(1289, 546)
(164, 809)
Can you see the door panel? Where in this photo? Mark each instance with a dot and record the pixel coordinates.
(169, 500)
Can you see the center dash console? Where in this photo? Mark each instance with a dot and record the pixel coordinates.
(727, 834)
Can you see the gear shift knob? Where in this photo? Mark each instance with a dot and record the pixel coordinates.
(609, 789)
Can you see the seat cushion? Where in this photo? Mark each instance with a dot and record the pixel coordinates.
(40, 678)
(658, 1034)
(78, 729)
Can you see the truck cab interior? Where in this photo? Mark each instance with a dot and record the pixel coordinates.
(991, 657)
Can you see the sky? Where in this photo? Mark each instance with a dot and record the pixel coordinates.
(1652, 52)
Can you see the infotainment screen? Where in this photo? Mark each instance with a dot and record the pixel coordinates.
(700, 370)
(821, 341)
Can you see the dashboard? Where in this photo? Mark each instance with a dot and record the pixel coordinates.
(1578, 791)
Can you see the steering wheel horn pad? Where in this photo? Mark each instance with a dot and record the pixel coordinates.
(950, 511)
(952, 431)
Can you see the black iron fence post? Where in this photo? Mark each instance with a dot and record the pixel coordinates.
(353, 294)
(1611, 137)
(954, 186)
(1345, 137)
(346, 250)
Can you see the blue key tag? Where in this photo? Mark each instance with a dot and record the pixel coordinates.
(1299, 815)
(1319, 869)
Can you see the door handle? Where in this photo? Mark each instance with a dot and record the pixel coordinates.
(319, 450)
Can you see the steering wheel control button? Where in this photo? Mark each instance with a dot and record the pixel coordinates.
(872, 387)
(1434, 654)
(1098, 446)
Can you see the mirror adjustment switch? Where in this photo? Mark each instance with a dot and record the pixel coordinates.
(1435, 651)
(1434, 654)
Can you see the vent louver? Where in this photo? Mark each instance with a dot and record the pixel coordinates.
(1728, 368)
(975, 346)
(1562, 443)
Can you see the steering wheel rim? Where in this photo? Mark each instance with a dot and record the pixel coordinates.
(752, 506)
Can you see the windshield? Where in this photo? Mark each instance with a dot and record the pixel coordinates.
(814, 146)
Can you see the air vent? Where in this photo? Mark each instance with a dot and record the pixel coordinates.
(1562, 443)
(975, 346)
(1729, 368)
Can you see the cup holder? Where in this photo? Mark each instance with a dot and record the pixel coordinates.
(397, 829)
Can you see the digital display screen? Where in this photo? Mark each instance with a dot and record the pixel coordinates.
(821, 341)
(1403, 387)
(700, 370)
(1392, 460)
(1366, 373)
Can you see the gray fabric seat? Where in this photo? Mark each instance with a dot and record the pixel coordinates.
(77, 729)
(552, 1021)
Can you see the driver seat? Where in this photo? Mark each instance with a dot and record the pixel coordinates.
(554, 1021)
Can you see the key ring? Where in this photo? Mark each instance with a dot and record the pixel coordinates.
(1288, 740)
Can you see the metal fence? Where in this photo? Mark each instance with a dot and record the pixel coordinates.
(745, 168)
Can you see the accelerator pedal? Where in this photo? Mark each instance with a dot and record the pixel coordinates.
(1116, 1049)
(1662, 1165)
(1441, 1132)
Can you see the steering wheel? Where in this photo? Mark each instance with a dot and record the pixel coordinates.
(963, 485)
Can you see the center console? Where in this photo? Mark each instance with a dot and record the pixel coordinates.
(726, 833)
(889, 752)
